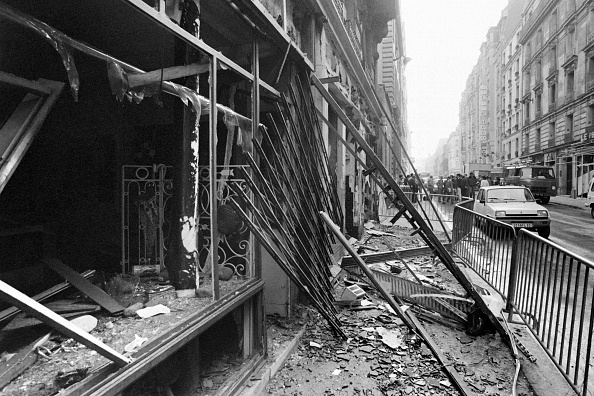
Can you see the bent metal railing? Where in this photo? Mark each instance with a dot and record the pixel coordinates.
(485, 245)
(548, 287)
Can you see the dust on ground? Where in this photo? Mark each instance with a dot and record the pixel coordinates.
(365, 364)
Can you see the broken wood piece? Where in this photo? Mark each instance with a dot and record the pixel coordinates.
(32, 307)
(170, 73)
(64, 306)
(82, 284)
(24, 359)
(10, 312)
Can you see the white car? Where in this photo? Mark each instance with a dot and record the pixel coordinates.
(514, 205)
(590, 197)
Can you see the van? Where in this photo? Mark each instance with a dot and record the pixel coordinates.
(540, 179)
(590, 197)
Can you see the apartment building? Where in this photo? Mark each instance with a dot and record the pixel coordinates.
(558, 94)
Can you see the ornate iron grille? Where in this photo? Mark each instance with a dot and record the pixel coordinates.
(235, 243)
(146, 189)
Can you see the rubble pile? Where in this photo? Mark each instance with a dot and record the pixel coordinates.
(381, 356)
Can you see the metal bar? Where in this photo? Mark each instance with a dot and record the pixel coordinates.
(573, 315)
(295, 219)
(314, 276)
(553, 296)
(389, 299)
(588, 349)
(442, 253)
(565, 308)
(212, 176)
(581, 328)
(332, 320)
(64, 326)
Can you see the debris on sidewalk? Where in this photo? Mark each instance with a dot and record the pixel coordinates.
(382, 357)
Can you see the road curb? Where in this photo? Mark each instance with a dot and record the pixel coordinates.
(256, 384)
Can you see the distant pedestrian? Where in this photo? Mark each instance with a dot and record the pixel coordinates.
(449, 188)
(430, 186)
(472, 183)
(440, 186)
(484, 182)
(413, 187)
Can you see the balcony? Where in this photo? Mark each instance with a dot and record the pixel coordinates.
(339, 4)
(551, 142)
(352, 29)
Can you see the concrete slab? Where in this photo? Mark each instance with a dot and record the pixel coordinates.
(543, 375)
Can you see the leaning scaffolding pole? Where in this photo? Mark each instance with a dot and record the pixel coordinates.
(415, 219)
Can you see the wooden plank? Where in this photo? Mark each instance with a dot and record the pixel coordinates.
(170, 73)
(47, 316)
(10, 312)
(30, 86)
(24, 359)
(82, 284)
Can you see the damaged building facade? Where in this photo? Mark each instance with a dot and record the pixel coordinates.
(198, 139)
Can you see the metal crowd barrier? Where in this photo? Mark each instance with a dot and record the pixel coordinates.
(547, 286)
(485, 245)
(553, 293)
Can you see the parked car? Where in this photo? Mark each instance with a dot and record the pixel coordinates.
(514, 205)
(540, 179)
(590, 197)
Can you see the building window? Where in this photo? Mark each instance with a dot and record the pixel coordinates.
(537, 139)
(553, 59)
(569, 124)
(590, 115)
(552, 93)
(590, 78)
(551, 134)
(570, 81)
(527, 111)
(538, 103)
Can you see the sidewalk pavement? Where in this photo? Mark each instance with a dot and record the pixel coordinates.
(566, 200)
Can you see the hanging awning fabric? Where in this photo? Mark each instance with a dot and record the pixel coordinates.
(118, 71)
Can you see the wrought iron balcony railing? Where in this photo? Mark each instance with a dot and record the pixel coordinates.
(352, 31)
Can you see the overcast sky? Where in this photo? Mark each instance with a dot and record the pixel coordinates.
(443, 38)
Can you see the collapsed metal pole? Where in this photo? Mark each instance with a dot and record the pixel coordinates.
(336, 230)
(424, 230)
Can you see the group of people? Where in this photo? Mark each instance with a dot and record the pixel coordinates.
(449, 189)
